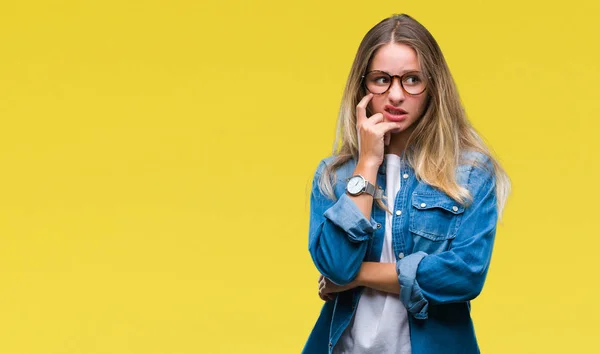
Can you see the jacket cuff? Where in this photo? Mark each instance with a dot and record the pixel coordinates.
(347, 216)
(410, 291)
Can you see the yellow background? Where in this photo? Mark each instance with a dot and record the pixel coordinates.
(155, 160)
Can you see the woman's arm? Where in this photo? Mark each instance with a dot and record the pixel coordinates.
(375, 275)
(458, 274)
(379, 276)
(339, 233)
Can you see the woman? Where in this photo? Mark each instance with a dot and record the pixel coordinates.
(403, 215)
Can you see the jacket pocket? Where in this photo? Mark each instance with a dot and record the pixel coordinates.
(434, 220)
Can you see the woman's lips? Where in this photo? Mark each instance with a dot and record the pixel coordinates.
(395, 115)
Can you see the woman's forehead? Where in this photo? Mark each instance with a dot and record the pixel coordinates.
(395, 58)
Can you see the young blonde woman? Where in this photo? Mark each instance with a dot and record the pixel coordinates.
(403, 215)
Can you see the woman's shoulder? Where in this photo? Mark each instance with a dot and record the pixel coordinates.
(475, 168)
(343, 169)
(474, 158)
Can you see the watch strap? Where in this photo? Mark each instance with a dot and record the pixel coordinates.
(369, 188)
(378, 193)
(374, 191)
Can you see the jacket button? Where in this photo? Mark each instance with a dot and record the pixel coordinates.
(398, 212)
(423, 205)
(330, 344)
(405, 176)
(455, 208)
(401, 255)
(378, 226)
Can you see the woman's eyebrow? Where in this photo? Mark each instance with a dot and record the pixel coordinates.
(401, 72)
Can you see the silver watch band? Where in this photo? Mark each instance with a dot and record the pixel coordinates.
(376, 192)
(370, 189)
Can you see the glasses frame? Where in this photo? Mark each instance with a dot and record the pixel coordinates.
(392, 77)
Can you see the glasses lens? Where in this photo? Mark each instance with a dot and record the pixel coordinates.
(413, 83)
(377, 82)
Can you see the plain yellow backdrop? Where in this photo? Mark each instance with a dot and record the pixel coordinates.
(155, 160)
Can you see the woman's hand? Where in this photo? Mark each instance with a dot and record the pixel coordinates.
(328, 290)
(373, 133)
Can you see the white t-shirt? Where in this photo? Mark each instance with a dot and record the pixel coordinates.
(380, 324)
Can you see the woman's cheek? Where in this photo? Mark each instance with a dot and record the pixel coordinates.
(375, 106)
(371, 108)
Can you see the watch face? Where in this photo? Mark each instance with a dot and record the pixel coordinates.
(355, 185)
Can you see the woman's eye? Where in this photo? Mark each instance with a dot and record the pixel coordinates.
(382, 80)
(413, 79)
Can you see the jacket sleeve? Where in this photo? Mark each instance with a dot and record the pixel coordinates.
(458, 274)
(338, 234)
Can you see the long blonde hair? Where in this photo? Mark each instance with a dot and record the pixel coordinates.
(439, 136)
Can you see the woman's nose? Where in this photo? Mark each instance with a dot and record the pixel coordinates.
(396, 93)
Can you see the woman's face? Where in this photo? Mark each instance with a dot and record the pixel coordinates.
(395, 104)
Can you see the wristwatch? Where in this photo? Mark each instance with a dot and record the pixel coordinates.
(358, 185)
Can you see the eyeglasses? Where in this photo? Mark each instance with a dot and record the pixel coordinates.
(379, 82)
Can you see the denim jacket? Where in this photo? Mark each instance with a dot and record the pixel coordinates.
(442, 248)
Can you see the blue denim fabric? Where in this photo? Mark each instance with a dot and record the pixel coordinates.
(443, 251)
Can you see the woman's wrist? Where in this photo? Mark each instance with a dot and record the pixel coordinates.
(368, 164)
(367, 169)
(378, 276)
(360, 278)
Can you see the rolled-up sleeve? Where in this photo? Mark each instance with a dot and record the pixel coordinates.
(338, 234)
(347, 216)
(410, 291)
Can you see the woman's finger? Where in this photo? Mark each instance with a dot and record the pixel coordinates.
(375, 118)
(386, 127)
(361, 109)
(322, 296)
(326, 297)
